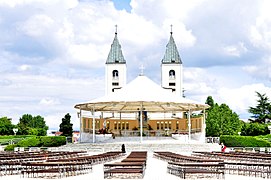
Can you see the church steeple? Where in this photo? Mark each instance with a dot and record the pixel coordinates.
(115, 67)
(115, 55)
(171, 68)
(171, 54)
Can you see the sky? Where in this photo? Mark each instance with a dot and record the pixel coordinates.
(53, 52)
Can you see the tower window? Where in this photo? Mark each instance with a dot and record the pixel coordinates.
(171, 84)
(115, 74)
(172, 74)
(115, 84)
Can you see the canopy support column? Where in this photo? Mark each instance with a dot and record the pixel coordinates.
(189, 126)
(203, 129)
(80, 118)
(93, 125)
(141, 123)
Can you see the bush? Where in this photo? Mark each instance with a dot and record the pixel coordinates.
(29, 142)
(52, 141)
(10, 147)
(254, 129)
(244, 141)
(39, 141)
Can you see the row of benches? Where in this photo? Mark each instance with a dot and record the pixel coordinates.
(189, 166)
(133, 165)
(242, 163)
(56, 166)
(237, 156)
(66, 167)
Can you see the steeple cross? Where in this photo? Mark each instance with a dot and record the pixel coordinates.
(141, 70)
(116, 26)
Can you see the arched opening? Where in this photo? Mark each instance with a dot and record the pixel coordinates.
(172, 74)
(115, 74)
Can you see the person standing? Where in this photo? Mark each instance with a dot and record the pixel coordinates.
(223, 147)
(123, 148)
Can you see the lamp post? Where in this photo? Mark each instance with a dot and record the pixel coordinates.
(15, 130)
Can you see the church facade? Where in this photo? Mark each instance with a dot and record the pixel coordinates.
(154, 124)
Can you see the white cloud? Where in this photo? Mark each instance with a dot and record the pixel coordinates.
(24, 67)
(13, 3)
(235, 50)
(261, 70)
(49, 101)
(37, 25)
(260, 32)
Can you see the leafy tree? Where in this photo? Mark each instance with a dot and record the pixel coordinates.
(29, 125)
(66, 127)
(221, 120)
(254, 129)
(262, 111)
(6, 127)
(210, 101)
(23, 125)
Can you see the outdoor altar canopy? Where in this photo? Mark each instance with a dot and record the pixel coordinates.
(142, 94)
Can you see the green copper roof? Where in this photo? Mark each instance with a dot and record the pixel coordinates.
(115, 54)
(171, 54)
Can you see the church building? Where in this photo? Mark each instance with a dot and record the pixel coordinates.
(154, 124)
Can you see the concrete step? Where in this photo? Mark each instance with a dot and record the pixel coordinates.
(134, 144)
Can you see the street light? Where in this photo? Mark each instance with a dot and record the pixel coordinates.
(15, 130)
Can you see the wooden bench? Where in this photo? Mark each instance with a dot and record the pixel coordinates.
(184, 169)
(51, 172)
(132, 166)
(125, 165)
(127, 171)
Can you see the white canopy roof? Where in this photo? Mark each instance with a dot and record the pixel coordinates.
(141, 94)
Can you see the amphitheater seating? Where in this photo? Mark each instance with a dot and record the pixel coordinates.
(243, 163)
(186, 166)
(51, 164)
(133, 166)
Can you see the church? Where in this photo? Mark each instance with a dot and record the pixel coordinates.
(143, 107)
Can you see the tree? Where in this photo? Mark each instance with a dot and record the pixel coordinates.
(29, 125)
(254, 129)
(6, 127)
(210, 101)
(66, 127)
(221, 120)
(262, 111)
(23, 125)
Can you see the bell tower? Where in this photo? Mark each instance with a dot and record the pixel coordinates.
(172, 68)
(115, 67)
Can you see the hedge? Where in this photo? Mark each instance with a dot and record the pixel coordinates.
(52, 141)
(244, 141)
(39, 141)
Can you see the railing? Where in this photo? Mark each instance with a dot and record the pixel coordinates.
(212, 140)
(165, 132)
(250, 149)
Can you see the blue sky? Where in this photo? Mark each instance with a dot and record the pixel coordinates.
(122, 4)
(53, 52)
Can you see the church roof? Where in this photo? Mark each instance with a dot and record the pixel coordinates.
(171, 54)
(115, 55)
